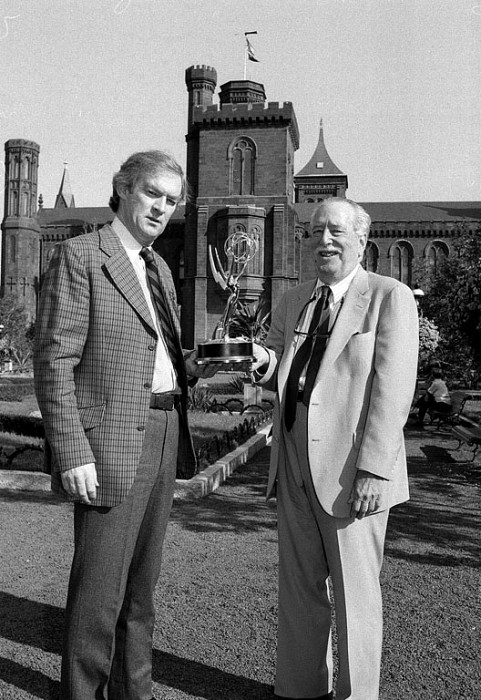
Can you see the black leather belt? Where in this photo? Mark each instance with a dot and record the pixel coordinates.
(165, 402)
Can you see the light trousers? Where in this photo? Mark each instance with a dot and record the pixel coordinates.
(314, 546)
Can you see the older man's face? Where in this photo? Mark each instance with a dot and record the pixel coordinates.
(336, 247)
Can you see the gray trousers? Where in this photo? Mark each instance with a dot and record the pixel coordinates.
(107, 652)
(312, 547)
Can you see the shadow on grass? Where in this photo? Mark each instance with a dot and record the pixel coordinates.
(243, 510)
(40, 625)
(440, 524)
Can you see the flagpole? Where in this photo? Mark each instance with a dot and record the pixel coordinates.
(245, 62)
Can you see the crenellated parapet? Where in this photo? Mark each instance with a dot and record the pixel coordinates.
(252, 114)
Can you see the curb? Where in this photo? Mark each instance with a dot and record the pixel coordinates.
(210, 478)
(38, 483)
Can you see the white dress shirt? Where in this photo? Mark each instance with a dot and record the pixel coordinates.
(164, 378)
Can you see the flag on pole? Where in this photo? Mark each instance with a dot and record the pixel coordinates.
(250, 51)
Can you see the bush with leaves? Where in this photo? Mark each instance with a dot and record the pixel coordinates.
(250, 321)
(16, 338)
(453, 303)
(428, 342)
(200, 398)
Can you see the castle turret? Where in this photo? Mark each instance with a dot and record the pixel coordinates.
(320, 177)
(20, 229)
(201, 82)
(65, 198)
(240, 156)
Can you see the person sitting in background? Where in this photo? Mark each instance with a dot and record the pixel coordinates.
(436, 398)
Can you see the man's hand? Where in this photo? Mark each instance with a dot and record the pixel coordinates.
(261, 358)
(204, 371)
(365, 495)
(81, 482)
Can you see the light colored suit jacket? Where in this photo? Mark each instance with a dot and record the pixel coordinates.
(94, 360)
(363, 391)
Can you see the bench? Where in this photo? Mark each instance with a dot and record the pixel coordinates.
(469, 432)
(458, 402)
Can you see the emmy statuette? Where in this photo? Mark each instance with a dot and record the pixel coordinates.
(240, 248)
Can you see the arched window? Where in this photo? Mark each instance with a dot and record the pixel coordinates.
(13, 249)
(371, 257)
(436, 253)
(242, 157)
(401, 255)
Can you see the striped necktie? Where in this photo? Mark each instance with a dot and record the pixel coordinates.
(302, 357)
(160, 304)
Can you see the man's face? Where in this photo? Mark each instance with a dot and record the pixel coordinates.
(336, 247)
(146, 209)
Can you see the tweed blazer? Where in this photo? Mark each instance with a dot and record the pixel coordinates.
(94, 360)
(363, 391)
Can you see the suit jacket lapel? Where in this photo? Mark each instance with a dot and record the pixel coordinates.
(122, 273)
(350, 319)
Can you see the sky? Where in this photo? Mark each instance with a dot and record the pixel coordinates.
(396, 83)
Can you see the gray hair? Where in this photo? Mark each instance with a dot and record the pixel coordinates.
(140, 164)
(362, 220)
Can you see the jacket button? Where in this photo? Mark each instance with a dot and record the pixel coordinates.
(151, 347)
(147, 385)
(140, 428)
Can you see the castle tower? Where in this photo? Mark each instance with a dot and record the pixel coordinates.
(20, 229)
(65, 198)
(240, 156)
(320, 177)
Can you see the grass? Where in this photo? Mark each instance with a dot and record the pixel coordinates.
(17, 398)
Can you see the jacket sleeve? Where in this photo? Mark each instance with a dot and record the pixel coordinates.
(61, 331)
(275, 342)
(393, 384)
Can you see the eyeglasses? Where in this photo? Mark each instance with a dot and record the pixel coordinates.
(315, 332)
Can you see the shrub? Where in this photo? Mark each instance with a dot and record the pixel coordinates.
(200, 398)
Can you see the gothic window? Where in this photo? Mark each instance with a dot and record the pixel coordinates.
(242, 156)
(401, 256)
(13, 249)
(13, 203)
(25, 204)
(371, 257)
(25, 168)
(436, 254)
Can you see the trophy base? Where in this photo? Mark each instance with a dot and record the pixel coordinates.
(224, 351)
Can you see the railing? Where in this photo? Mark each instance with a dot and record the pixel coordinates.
(219, 445)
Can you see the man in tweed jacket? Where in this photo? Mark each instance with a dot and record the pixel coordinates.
(113, 401)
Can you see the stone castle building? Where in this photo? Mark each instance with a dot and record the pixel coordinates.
(240, 166)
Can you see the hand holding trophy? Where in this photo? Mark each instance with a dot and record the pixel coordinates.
(240, 248)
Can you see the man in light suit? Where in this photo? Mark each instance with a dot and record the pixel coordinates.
(338, 461)
(111, 380)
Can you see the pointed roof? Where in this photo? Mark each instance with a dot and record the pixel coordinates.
(65, 198)
(320, 162)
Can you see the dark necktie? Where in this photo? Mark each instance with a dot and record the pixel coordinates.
(320, 342)
(301, 358)
(160, 304)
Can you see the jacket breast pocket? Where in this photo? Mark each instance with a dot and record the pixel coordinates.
(91, 416)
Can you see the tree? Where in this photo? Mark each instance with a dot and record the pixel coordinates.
(428, 341)
(16, 338)
(453, 302)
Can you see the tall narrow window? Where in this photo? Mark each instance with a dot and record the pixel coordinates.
(371, 257)
(401, 255)
(436, 254)
(242, 157)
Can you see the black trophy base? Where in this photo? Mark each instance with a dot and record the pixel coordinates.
(225, 351)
